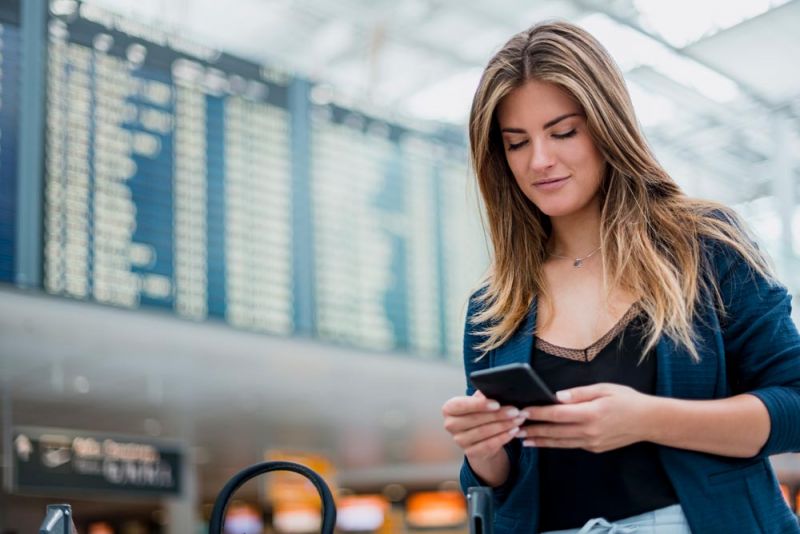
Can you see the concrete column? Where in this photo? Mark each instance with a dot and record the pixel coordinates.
(183, 512)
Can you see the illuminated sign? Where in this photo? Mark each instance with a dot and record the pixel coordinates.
(54, 460)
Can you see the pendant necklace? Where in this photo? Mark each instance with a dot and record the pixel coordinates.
(576, 262)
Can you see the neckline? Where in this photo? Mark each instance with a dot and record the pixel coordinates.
(590, 352)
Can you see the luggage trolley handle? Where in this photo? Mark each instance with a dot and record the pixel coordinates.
(220, 505)
(58, 520)
(480, 510)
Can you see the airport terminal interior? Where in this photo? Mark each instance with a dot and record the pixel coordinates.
(241, 231)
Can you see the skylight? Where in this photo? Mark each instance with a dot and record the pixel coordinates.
(631, 48)
(682, 22)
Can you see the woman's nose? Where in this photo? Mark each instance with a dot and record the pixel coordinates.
(541, 157)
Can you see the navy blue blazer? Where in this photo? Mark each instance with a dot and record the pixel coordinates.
(752, 347)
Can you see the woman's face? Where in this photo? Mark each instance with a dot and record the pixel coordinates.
(549, 150)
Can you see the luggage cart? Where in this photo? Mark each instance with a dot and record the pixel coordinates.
(479, 503)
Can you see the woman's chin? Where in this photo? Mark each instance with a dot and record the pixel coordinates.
(557, 210)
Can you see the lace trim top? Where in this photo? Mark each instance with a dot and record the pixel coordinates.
(623, 482)
(589, 353)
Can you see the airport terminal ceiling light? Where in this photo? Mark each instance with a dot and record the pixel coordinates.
(632, 48)
(682, 22)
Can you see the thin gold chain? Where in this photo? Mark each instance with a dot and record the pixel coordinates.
(576, 262)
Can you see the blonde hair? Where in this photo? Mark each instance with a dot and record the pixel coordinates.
(650, 231)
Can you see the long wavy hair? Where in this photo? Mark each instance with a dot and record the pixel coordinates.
(650, 231)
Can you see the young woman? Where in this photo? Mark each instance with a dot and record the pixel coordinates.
(653, 314)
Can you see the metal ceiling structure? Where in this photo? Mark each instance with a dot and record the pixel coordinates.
(715, 83)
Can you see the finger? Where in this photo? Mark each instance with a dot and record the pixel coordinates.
(559, 413)
(554, 443)
(462, 423)
(548, 431)
(583, 393)
(467, 405)
(479, 394)
(490, 445)
(475, 435)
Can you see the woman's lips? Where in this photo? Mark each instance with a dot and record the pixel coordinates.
(550, 184)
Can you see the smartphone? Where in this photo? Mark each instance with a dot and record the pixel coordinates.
(515, 384)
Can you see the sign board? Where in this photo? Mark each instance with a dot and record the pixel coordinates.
(49, 460)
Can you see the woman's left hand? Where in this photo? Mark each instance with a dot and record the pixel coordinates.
(598, 418)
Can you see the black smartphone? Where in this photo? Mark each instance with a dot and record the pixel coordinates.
(515, 384)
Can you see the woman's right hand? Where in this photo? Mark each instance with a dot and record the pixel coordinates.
(480, 426)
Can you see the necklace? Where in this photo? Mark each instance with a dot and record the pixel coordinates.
(576, 262)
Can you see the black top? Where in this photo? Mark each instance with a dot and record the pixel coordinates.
(577, 485)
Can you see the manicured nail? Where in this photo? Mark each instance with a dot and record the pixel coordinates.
(529, 443)
(514, 430)
(493, 405)
(512, 412)
(564, 396)
(521, 434)
(524, 414)
(519, 420)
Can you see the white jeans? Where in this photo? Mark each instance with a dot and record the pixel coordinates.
(669, 520)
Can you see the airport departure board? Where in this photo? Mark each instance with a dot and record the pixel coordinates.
(184, 179)
(375, 247)
(9, 111)
(167, 174)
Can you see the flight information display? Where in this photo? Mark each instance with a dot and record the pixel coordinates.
(9, 108)
(465, 250)
(167, 174)
(181, 178)
(374, 222)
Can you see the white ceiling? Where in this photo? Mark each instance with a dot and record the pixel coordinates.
(761, 53)
(706, 77)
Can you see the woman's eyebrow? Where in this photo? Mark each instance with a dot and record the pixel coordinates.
(548, 124)
(553, 122)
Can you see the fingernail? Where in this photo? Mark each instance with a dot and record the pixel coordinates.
(514, 430)
(564, 396)
(512, 412)
(519, 420)
(524, 414)
(529, 443)
(521, 434)
(493, 405)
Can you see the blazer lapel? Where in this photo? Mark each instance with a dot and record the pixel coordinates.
(518, 348)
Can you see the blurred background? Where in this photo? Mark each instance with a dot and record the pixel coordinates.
(247, 230)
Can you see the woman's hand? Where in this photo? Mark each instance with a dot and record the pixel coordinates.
(479, 425)
(598, 418)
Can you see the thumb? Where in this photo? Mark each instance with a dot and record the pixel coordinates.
(582, 394)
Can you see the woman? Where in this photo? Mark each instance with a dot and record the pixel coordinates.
(653, 314)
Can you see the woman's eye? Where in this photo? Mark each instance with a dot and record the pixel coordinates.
(565, 134)
(514, 146)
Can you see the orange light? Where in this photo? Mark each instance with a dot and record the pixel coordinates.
(787, 494)
(436, 509)
(100, 528)
(284, 487)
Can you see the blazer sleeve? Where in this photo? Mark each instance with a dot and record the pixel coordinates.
(762, 347)
(472, 362)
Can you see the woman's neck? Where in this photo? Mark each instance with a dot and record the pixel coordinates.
(577, 234)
